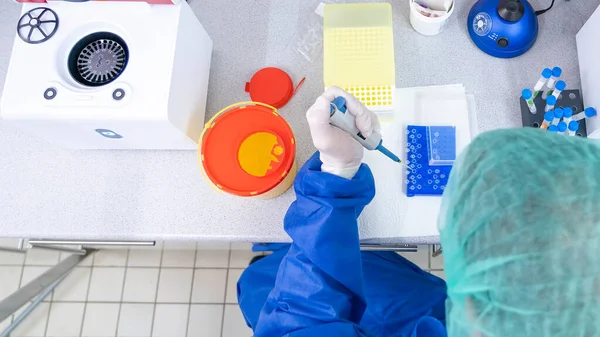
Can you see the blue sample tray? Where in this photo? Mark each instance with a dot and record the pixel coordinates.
(424, 178)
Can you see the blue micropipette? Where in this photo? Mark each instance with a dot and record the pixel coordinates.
(345, 121)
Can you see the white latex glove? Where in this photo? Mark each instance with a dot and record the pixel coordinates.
(340, 153)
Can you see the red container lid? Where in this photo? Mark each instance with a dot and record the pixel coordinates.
(247, 149)
(271, 86)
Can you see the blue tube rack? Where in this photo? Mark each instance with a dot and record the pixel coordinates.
(425, 177)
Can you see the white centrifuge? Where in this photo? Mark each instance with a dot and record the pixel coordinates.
(109, 74)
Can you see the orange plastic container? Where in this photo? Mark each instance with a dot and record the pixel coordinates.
(248, 150)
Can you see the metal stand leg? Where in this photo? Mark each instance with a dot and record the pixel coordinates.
(436, 250)
(394, 248)
(41, 286)
(30, 308)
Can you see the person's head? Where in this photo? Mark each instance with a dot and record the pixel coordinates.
(520, 230)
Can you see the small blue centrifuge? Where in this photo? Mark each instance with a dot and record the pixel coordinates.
(503, 28)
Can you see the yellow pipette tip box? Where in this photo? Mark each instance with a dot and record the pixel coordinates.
(358, 53)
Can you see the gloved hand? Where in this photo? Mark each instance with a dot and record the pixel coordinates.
(340, 153)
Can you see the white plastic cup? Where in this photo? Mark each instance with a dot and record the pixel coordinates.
(425, 25)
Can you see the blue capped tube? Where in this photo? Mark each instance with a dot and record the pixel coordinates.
(546, 74)
(562, 127)
(550, 102)
(567, 114)
(553, 128)
(528, 97)
(558, 114)
(548, 118)
(558, 88)
(573, 127)
(587, 113)
(556, 72)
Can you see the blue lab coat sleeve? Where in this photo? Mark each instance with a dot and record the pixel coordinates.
(319, 288)
(322, 285)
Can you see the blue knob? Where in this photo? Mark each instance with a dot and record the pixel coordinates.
(340, 104)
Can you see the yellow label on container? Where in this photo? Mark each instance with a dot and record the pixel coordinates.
(260, 153)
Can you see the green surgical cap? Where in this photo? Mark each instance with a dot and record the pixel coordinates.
(520, 229)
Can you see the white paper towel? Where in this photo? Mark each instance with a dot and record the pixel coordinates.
(392, 214)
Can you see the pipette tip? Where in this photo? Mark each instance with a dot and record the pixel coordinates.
(389, 154)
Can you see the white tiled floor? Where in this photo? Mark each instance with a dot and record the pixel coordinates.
(170, 291)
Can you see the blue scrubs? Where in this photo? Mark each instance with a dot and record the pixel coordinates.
(322, 284)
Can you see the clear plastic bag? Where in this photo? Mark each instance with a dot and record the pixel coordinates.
(309, 36)
(309, 42)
